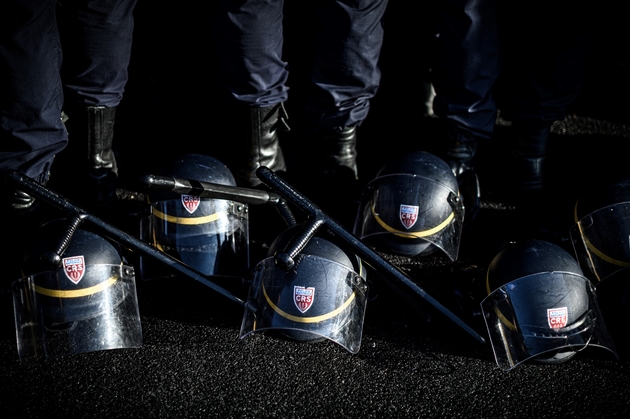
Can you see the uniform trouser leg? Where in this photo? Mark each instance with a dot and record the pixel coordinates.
(346, 73)
(543, 69)
(345, 76)
(249, 40)
(96, 38)
(466, 66)
(542, 75)
(31, 96)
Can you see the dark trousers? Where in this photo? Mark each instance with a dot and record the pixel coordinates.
(344, 74)
(526, 59)
(80, 48)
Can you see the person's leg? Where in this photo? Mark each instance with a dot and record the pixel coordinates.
(249, 40)
(31, 97)
(96, 38)
(465, 68)
(344, 78)
(543, 72)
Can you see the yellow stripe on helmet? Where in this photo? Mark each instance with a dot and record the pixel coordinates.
(83, 292)
(414, 234)
(188, 221)
(314, 319)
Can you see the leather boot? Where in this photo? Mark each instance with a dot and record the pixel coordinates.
(529, 152)
(20, 200)
(460, 152)
(263, 144)
(102, 170)
(16, 199)
(339, 155)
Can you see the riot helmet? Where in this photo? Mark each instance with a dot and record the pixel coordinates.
(600, 238)
(540, 306)
(84, 300)
(412, 207)
(209, 235)
(601, 232)
(323, 296)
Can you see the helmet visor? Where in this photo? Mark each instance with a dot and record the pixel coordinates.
(406, 214)
(209, 235)
(54, 319)
(601, 241)
(541, 314)
(318, 299)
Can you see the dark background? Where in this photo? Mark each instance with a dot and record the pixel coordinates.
(193, 364)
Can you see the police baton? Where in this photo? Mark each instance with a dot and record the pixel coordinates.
(407, 288)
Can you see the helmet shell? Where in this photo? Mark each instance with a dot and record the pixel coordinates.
(207, 234)
(540, 306)
(412, 207)
(322, 297)
(81, 302)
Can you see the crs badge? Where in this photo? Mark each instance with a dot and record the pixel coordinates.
(303, 297)
(190, 202)
(74, 268)
(557, 317)
(408, 215)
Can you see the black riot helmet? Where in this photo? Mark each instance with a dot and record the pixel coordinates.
(601, 232)
(540, 306)
(601, 240)
(209, 235)
(322, 297)
(83, 300)
(412, 207)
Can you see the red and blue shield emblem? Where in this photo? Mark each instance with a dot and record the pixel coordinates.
(557, 317)
(408, 215)
(303, 297)
(74, 268)
(190, 202)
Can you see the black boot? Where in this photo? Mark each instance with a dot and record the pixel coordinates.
(91, 134)
(528, 154)
(460, 152)
(263, 144)
(461, 155)
(20, 200)
(338, 158)
(103, 170)
(17, 200)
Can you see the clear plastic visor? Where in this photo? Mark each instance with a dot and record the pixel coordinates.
(319, 297)
(52, 322)
(602, 241)
(541, 313)
(408, 210)
(213, 240)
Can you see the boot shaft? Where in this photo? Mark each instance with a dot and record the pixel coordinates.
(262, 146)
(100, 138)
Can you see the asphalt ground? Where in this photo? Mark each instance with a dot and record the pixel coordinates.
(192, 362)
